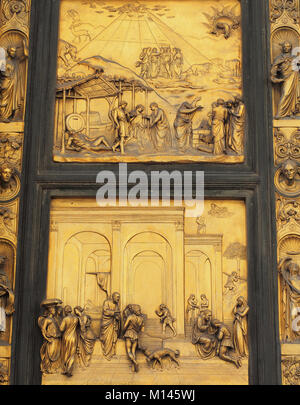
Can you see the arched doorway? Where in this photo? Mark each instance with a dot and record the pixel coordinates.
(89, 256)
(198, 274)
(148, 277)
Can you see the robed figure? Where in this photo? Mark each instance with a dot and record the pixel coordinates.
(203, 336)
(286, 72)
(160, 132)
(12, 83)
(110, 325)
(68, 328)
(219, 116)
(183, 124)
(86, 337)
(7, 298)
(237, 127)
(290, 298)
(192, 308)
(51, 348)
(240, 327)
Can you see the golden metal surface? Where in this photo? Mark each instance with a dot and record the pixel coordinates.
(14, 36)
(132, 291)
(285, 34)
(149, 81)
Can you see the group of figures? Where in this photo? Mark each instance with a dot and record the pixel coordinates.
(193, 308)
(67, 336)
(129, 324)
(213, 338)
(227, 126)
(149, 132)
(166, 62)
(153, 132)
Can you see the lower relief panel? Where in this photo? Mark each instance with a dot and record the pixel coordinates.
(145, 295)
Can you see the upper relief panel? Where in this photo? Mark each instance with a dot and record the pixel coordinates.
(149, 81)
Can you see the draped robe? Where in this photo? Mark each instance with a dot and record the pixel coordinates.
(110, 328)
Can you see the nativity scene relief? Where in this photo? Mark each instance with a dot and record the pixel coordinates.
(142, 81)
(138, 296)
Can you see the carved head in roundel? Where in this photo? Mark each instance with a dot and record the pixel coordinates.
(289, 171)
(6, 173)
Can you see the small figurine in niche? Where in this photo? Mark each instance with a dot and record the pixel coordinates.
(8, 184)
(156, 358)
(7, 297)
(166, 318)
(285, 71)
(289, 271)
(12, 83)
(133, 326)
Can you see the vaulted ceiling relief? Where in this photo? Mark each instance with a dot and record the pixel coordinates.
(149, 81)
(142, 296)
(14, 35)
(284, 76)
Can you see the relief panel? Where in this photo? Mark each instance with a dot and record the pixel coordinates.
(136, 291)
(150, 81)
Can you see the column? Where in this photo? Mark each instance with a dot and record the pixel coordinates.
(117, 258)
(178, 279)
